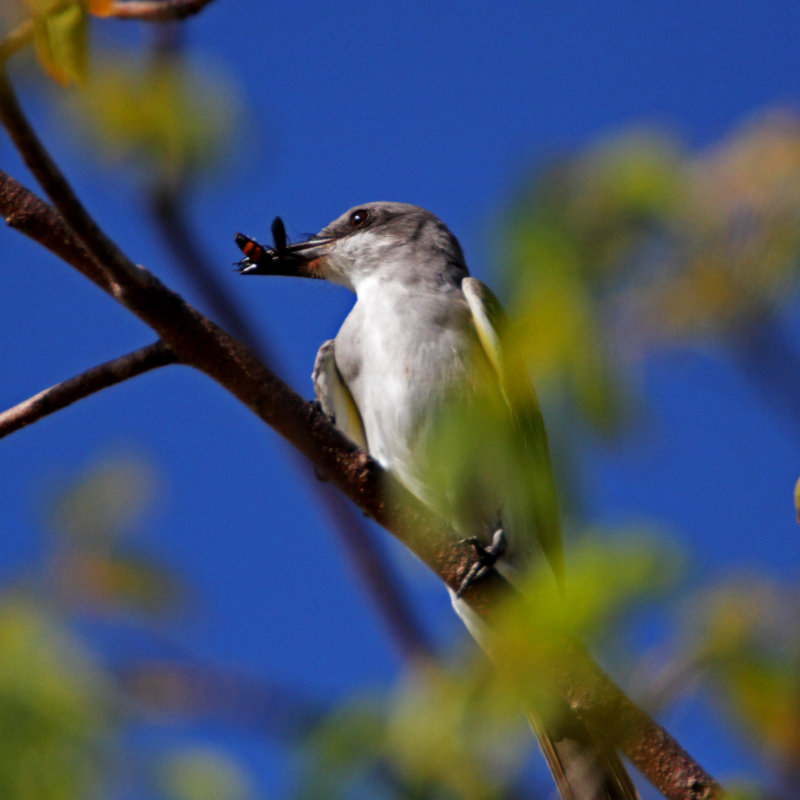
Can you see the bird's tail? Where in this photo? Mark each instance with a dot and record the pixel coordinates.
(583, 767)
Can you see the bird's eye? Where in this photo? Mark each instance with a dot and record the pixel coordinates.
(359, 218)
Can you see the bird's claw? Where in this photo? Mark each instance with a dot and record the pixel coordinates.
(487, 557)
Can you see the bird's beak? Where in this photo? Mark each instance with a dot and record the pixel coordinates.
(302, 259)
(305, 259)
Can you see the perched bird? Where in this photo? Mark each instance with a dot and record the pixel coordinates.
(419, 377)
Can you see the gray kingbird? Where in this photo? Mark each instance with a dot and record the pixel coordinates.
(422, 343)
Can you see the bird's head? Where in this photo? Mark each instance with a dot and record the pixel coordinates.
(387, 241)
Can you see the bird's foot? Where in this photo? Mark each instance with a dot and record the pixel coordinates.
(487, 557)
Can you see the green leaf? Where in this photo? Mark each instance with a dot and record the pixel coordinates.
(54, 709)
(104, 503)
(171, 120)
(60, 40)
(606, 577)
(203, 773)
(117, 582)
(797, 499)
(746, 636)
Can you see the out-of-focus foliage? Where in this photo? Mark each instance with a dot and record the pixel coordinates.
(94, 565)
(487, 460)
(59, 38)
(104, 504)
(456, 729)
(59, 31)
(637, 242)
(172, 120)
(203, 774)
(54, 707)
(445, 732)
(163, 114)
(100, 8)
(571, 236)
(797, 499)
(746, 634)
(63, 714)
(735, 246)
(608, 577)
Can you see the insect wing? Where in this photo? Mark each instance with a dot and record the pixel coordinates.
(279, 235)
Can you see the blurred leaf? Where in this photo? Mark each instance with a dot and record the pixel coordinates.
(747, 634)
(451, 728)
(606, 577)
(103, 504)
(203, 773)
(60, 39)
(342, 749)
(797, 500)
(745, 791)
(445, 734)
(173, 120)
(486, 461)
(53, 709)
(571, 237)
(119, 582)
(635, 242)
(735, 245)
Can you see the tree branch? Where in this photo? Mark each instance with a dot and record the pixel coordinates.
(199, 343)
(93, 380)
(156, 10)
(25, 212)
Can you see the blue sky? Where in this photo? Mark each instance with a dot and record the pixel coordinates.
(449, 106)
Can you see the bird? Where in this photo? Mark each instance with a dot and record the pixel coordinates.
(420, 377)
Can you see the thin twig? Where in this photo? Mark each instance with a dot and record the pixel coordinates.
(92, 380)
(156, 10)
(200, 343)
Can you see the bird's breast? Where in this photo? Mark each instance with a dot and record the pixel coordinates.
(400, 357)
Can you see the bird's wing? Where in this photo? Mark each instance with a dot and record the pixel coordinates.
(518, 392)
(334, 396)
(583, 766)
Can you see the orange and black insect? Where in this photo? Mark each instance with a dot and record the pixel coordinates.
(257, 257)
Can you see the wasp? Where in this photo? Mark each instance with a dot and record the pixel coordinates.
(257, 257)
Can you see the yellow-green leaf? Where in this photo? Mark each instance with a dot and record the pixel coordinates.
(203, 773)
(150, 116)
(797, 499)
(60, 41)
